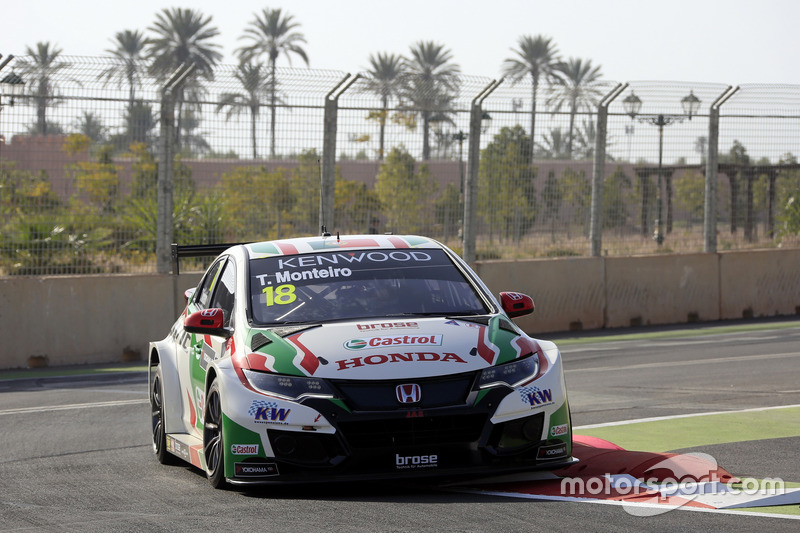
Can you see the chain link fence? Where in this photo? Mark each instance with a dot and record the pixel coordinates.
(253, 157)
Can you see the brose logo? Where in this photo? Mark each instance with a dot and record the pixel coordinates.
(403, 462)
(388, 325)
(404, 340)
(244, 449)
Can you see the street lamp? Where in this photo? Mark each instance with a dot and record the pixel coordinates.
(632, 105)
(460, 136)
(12, 85)
(486, 122)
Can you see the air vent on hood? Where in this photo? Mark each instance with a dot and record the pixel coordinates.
(259, 340)
(506, 325)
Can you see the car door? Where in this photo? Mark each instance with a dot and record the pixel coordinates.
(189, 350)
(219, 292)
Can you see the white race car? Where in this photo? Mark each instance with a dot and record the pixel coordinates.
(354, 357)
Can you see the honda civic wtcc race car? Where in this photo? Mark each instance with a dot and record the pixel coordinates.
(357, 357)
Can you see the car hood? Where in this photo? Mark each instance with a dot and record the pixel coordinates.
(390, 349)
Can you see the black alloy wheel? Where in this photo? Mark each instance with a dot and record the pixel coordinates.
(157, 419)
(213, 446)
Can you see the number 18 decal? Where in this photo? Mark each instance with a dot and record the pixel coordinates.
(282, 295)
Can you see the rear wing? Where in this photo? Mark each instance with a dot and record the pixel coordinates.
(196, 250)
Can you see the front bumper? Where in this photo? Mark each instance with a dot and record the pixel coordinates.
(490, 432)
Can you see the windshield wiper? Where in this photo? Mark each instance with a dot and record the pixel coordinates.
(437, 313)
(478, 319)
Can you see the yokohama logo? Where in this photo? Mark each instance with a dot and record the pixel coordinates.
(244, 449)
(255, 469)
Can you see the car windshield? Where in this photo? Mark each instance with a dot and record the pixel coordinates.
(343, 285)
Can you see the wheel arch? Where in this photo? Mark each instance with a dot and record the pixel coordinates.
(211, 375)
(162, 354)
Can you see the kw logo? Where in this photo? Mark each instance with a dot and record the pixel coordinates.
(268, 412)
(535, 396)
(272, 414)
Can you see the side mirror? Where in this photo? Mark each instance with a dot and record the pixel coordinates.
(207, 322)
(516, 304)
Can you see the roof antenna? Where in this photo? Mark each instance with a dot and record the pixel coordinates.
(337, 236)
(325, 232)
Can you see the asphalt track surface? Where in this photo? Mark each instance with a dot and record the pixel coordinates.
(75, 451)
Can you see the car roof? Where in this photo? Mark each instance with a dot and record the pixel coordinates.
(306, 245)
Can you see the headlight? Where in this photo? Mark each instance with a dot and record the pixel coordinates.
(511, 374)
(289, 387)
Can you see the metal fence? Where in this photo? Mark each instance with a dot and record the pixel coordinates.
(611, 168)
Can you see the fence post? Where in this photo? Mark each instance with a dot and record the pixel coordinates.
(327, 191)
(166, 158)
(473, 159)
(712, 170)
(599, 170)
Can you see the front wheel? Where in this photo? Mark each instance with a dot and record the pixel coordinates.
(213, 446)
(157, 419)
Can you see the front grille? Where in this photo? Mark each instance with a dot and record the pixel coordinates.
(422, 431)
(381, 396)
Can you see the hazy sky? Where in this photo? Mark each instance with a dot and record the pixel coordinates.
(724, 41)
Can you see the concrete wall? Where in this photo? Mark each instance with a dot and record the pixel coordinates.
(63, 320)
(568, 293)
(759, 283)
(661, 289)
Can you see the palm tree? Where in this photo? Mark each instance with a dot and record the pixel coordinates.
(552, 145)
(272, 33)
(89, 124)
(194, 141)
(42, 68)
(432, 83)
(256, 83)
(139, 123)
(182, 36)
(129, 51)
(576, 87)
(537, 57)
(386, 71)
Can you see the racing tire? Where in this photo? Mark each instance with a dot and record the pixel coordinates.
(213, 445)
(157, 419)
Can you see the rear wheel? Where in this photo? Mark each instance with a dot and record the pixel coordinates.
(213, 446)
(157, 419)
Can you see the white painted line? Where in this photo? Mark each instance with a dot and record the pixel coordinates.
(47, 408)
(673, 417)
(662, 364)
